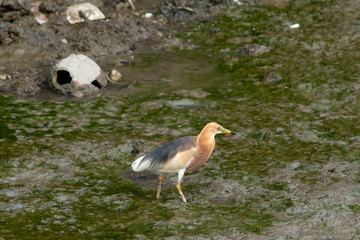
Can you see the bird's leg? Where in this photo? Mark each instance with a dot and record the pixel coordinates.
(180, 175)
(180, 192)
(159, 186)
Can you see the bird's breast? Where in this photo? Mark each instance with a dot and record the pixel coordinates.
(200, 157)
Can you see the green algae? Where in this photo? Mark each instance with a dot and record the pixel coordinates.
(354, 208)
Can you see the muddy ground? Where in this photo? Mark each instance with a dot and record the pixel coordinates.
(29, 50)
(283, 74)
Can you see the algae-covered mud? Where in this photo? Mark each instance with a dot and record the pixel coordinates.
(293, 172)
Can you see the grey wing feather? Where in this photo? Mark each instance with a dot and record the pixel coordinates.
(164, 153)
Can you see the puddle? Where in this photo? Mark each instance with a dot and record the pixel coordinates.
(221, 201)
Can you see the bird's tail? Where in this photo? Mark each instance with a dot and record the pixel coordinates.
(138, 165)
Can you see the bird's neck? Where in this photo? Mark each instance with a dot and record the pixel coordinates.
(206, 139)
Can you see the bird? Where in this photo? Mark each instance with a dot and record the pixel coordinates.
(180, 155)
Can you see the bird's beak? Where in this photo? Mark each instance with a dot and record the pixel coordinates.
(224, 130)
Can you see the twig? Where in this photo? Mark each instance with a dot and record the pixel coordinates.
(185, 9)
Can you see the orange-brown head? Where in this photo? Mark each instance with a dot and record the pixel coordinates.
(213, 128)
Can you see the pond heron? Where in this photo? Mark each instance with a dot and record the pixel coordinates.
(180, 155)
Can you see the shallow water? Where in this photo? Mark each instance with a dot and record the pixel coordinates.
(65, 165)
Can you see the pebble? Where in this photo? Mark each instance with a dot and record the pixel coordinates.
(48, 124)
(271, 77)
(237, 2)
(10, 193)
(294, 165)
(149, 15)
(4, 76)
(12, 207)
(293, 26)
(252, 50)
(115, 76)
(184, 104)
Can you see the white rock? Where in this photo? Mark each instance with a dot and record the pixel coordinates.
(90, 11)
(295, 25)
(78, 75)
(81, 68)
(149, 15)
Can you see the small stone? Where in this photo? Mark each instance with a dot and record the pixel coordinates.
(271, 77)
(252, 50)
(131, 148)
(77, 13)
(330, 167)
(307, 136)
(237, 2)
(5, 81)
(294, 165)
(39, 17)
(10, 193)
(4, 76)
(279, 129)
(115, 76)
(12, 207)
(225, 50)
(128, 148)
(149, 15)
(296, 25)
(48, 124)
(184, 104)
